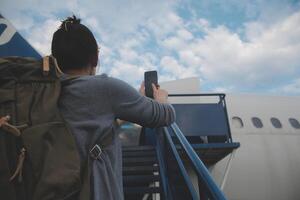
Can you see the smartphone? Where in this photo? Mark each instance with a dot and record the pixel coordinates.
(149, 78)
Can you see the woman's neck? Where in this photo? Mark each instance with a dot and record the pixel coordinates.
(81, 72)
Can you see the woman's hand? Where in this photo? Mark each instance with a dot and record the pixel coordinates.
(142, 89)
(4, 120)
(160, 95)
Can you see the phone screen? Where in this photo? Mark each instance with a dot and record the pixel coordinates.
(150, 77)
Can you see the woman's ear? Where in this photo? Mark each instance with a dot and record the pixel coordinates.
(94, 60)
(92, 71)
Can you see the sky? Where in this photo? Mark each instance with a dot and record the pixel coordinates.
(232, 46)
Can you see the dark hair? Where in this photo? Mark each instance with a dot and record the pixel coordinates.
(74, 45)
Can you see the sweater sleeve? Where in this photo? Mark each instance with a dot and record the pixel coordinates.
(128, 104)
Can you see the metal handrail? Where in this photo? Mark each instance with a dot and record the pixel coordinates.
(162, 169)
(221, 98)
(213, 191)
(197, 94)
(184, 172)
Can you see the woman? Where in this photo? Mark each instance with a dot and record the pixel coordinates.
(91, 104)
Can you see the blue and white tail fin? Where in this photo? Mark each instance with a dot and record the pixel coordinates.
(12, 43)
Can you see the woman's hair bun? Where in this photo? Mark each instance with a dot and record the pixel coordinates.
(69, 22)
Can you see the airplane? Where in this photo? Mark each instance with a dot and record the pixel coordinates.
(12, 43)
(249, 143)
(267, 164)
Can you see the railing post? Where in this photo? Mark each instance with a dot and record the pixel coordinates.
(185, 175)
(203, 174)
(159, 142)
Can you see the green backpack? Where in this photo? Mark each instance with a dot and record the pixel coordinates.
(38, 155)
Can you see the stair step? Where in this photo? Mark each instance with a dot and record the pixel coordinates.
(139, 179)
(135, 170)
(138, 148)
(141, 190)
(138, 153)
(140, 172)
(139, 161)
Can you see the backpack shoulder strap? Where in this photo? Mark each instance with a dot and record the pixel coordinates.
(95, 151)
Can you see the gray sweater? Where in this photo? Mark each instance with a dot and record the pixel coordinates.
(92, 103)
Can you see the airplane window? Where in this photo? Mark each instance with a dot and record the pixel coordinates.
(276, 123)
(257, 122)
(237, 122)
(294, 123)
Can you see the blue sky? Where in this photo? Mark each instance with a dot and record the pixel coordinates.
(233, 46)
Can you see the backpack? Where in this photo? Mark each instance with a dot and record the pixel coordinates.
(38, 155)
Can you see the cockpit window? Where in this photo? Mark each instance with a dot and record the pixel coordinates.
(237, 122)
(257, 122)
(294, 122)
(276, 123)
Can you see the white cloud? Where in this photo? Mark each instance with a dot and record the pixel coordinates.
(128, 72)
(292, 88)
(178, 36)
(171, 66)
(269, 55)
(263, 58)
(128, 55)
(223, 89)
(163, 25)
(111, 20)
(174, 43)
(41, 37)
(142, 35)
(23, 22)
(166, 77)
(184, 34)
(189, 58)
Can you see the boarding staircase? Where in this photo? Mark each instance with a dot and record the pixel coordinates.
(141, 175)
(159, 168)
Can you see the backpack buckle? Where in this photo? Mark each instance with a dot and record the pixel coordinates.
(95, 152)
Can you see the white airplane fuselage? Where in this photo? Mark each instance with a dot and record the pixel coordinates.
(267, 164)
